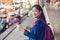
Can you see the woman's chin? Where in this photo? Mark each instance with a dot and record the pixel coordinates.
(34, 17)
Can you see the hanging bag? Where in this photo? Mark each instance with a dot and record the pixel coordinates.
(48, 35)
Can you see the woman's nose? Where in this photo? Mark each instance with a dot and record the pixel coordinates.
(33, 12)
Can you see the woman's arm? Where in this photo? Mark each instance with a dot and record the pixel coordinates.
(36, 31)
(29, 34)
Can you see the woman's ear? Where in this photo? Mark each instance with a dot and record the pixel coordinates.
(40, 12)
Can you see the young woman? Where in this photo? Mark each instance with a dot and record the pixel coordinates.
(37, 32)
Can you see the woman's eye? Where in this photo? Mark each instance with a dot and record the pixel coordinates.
(34, 11)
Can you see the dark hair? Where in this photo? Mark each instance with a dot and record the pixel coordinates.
(38, 7)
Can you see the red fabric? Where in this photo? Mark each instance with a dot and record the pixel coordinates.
(48, 32)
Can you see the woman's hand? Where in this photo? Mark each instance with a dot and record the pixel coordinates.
(28, 27)
(20, 28)
(23, 28)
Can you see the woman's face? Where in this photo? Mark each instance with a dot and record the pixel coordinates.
(35, 12)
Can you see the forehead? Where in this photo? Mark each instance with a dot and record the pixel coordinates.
(34, 9)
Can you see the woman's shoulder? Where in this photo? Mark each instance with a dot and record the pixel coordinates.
(38, 22)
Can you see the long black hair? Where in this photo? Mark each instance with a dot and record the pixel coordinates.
(38, 7)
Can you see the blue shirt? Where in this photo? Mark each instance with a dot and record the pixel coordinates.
(37, 32)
